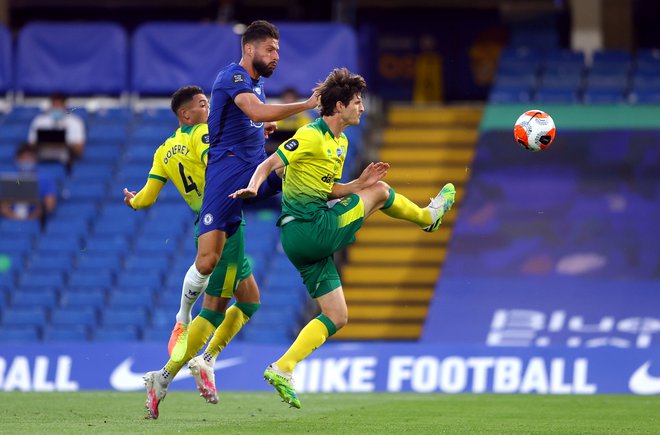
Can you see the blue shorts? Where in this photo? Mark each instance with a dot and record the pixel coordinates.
(220, 212)
(226, 175)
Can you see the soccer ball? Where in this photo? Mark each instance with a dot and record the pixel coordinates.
(534, 130)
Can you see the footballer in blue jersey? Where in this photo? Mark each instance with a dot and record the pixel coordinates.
(238, 121)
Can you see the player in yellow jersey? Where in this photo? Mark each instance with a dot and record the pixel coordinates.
(182, 159)
(311, 230)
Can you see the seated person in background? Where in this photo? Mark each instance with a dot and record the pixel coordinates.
(22, 204)
(55, 126)
(287, 127)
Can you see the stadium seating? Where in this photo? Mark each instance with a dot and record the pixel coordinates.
(564, 76)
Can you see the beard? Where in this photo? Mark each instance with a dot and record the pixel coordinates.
(262, 68)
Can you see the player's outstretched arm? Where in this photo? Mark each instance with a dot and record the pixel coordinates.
(146, 197)
(260, 112)
(370, 175)
(272, 163)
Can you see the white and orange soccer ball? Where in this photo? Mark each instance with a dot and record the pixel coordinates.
(534, 130)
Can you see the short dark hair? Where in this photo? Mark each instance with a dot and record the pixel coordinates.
(184, 95)
(25, 148)
(340, 85)
(259, 30)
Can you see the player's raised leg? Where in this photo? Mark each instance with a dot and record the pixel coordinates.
(209, 250)
(381, 196)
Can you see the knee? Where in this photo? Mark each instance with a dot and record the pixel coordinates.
(339, 317)
(383, 189)
(206, 262)
(341, 321)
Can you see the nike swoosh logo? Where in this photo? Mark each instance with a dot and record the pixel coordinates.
(641, 382)
(123, 378)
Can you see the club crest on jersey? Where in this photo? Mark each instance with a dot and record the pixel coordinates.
(291, 145)
(208, 219)
(206, 139)
(339, 152)
(257, 90)
(238, 78)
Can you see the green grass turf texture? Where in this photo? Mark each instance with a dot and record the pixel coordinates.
(263, 413)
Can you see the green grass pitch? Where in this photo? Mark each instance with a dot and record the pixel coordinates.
(263, 413)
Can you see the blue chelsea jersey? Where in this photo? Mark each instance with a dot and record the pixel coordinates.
(230, 130)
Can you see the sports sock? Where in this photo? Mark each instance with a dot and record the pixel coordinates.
(236, 316)
(312, 336)
(198, 333)
(193, 285)
(400, 207)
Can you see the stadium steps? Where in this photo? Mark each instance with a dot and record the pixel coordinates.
(390, 272)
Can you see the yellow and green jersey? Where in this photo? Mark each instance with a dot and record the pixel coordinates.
(314, 160)
(182, 159)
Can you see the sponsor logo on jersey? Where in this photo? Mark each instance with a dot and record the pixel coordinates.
(206, 139)
(238, 78)
(208, 219)
(291, 145)
(327, 178)
(257, 90)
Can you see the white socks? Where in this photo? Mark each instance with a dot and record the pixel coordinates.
(194, 285)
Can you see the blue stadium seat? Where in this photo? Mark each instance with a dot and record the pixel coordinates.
(22, 115)
(108, 226)
(147, 265)
(123, 316)
(118, 333)
(156, 244)
(15, 133)
(107, 245)
(59, 226)
(158, 115)
(51, 278)
(85, 316)
(140, 154)
(88, 172)
(556, 96)
(139, 281)
(109, 133)
(45, 50)
(163, 317)
(508, 96)
(20, 228)
(565, 81)
(91, 278)
(155, 133)
(85, 297)
(7, 152)
(100, 261)
(23, 334)
(603, 96)
(15, 317)
(136, 298)
(45, 300)
(101, 152)
(618, 60)
(70, 211)
(58, 243)
(59, 263)
(66, 333)
(120, 115)
(647, 97)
